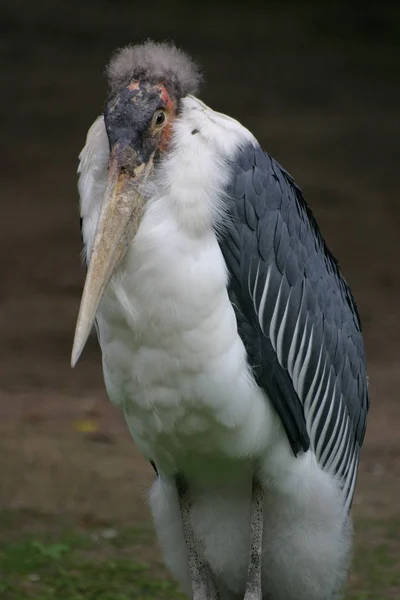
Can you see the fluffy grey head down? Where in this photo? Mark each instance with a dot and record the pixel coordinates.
(154, 62)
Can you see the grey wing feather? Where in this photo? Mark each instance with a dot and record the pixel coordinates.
(296, 314)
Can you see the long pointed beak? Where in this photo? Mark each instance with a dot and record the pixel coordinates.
(119, 220)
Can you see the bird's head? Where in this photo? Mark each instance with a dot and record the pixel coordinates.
(147, 83)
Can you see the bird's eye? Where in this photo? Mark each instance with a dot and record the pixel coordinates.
(159, 118)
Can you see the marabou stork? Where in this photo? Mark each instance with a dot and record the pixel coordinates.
(229, 338)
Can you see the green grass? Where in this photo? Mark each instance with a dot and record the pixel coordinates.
(376, 566)
(44, 561)
(103, 565)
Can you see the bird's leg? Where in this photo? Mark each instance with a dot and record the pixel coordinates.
(253, 584)
(203, 587)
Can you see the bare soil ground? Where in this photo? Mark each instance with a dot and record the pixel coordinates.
(320, 89)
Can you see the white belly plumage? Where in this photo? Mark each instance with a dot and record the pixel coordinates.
(174, 362)
(172, 356)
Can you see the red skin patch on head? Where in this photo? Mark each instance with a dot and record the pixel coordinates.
(170, 106)
(166, 98)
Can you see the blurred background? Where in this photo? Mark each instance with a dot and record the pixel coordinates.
(318, 84)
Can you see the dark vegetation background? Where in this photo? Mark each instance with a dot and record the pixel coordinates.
(319, 86)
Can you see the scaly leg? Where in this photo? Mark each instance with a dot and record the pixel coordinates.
(203, 587)
(253, 584)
